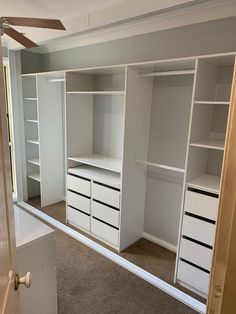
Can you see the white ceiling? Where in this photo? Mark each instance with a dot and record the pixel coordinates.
(84, 15)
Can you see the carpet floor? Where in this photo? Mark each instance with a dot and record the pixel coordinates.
(146, 254)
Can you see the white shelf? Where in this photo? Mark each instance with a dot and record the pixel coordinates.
(168, 73)
(162, 166)
(210, 143)
(33, 141)
(97, 174)
(35, 176)
(100, 161)
(56, 80)
(97, 92)
(212, 102)
(206, 183)
(30, 98)
(34, 161)
(31, 120)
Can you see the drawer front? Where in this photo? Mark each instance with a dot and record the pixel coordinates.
(196, 253)
(105, 232)
(199, 230)
(78, 219)
(201, 205)
(78, 185)
(106, 195)
(193, 276)
(80, 202)
(105, 213)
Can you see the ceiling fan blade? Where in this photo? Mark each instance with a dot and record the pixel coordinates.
(35, 22)
(19, 37)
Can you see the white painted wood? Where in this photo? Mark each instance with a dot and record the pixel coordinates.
(79, 185)
(34, 161)
(167, 73)
(201, 205)
(206, 183)
(210, 143)
(34, 176)
(160, 166)
(30, 120)
(31, 98)
(105, 213)
(138, 271)
(78, 201)
(212, 102)
(106, 195)
(137, 122)
(100, 161)
(103, 231)
(160, 242)
(198, 230)
(193, 276)
(112, 93)
(78, 219)
(50, 99)
(100, 175)
(33, 141)
(196, 254)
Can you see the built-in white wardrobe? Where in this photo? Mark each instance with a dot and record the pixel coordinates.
(144, 148)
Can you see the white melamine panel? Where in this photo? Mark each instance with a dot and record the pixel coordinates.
(206, 183)
(105, 232)
(78, 219)
(78, 201)
(193, 277)
(106, 195)
(50, 102)
(196, 253)
(105, 213)
(170, 120)
(79, 185)
(199, 230)
(201, 205)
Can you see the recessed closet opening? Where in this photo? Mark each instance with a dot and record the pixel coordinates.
(131, 156)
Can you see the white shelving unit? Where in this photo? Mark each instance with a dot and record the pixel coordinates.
(34, 161)
(34, 176)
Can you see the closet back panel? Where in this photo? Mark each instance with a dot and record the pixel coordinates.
(163, 204)
(108, 125)
(29, 87)
(170, 120)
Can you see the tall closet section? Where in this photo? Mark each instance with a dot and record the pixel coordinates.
(203, 176)
(106, 121)
(167, 147)
(43, 172)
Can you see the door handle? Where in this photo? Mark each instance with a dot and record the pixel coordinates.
(25, 280)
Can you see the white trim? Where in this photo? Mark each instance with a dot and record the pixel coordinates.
(163, 243)
(136, 270)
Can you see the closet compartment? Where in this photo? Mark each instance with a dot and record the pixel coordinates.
(105, 232)
(106, 194)
(193, 277)
(198, 229)
(78, 201)
(201, 204)
(78, 184)
(78, 218)
(195, 253)
(105, 213)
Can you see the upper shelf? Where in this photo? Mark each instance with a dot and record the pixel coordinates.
(168, 73)
(209, 143)
(212, 102)
(112, 93)
(100, 161)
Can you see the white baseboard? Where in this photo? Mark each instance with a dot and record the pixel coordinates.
(138, 271)
(160, 242)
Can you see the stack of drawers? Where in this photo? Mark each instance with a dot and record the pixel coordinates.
(94, 207)
(197, 241)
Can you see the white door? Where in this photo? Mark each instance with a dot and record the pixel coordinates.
(8, 294)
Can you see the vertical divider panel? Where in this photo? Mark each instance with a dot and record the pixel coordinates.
(185, 175)
(50, 140)
(138, 103)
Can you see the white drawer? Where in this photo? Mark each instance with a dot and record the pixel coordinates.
(78, 185)
(196, 253)
(78, 201)
(105, 232)
(193, 276)
(105, 213)
(78, 219)
(106, 195)
(199, 230)
(201, 205)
